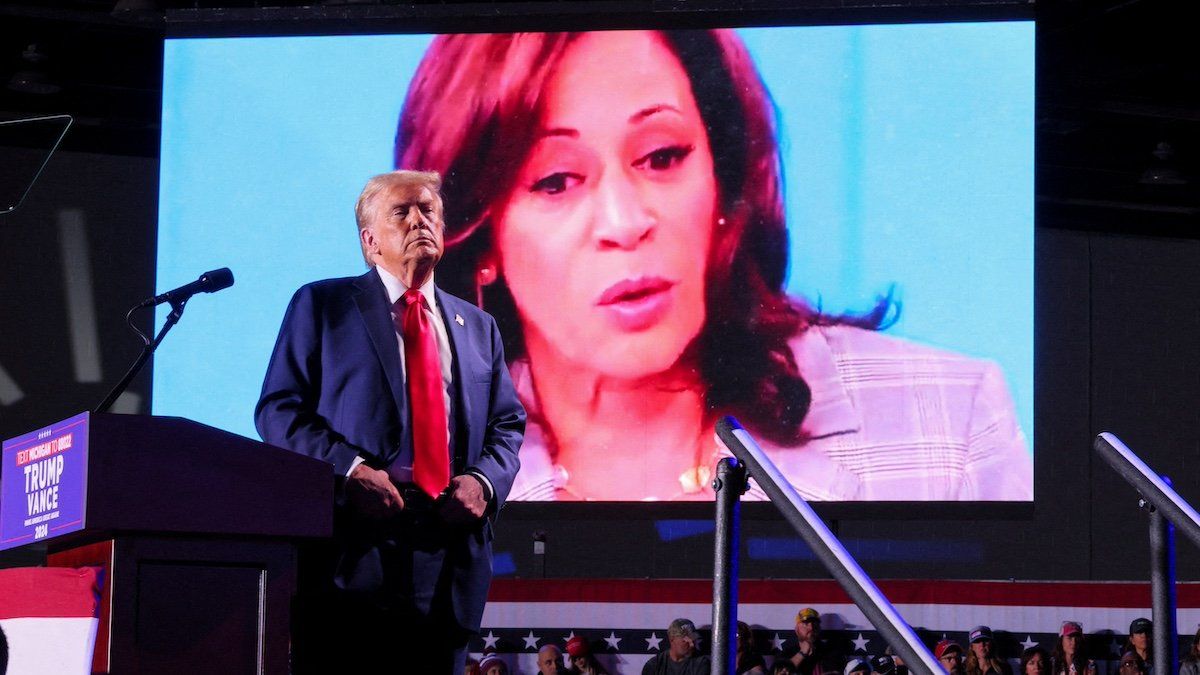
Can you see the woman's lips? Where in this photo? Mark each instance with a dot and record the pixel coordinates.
(637, 304)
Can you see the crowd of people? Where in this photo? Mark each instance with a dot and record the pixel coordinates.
(814, 654)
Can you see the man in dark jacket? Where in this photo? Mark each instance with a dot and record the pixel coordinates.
(680, 657)
(813, 655)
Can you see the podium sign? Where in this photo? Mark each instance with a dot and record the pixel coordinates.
(43, 482)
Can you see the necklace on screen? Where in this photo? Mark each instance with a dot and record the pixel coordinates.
(695, 479)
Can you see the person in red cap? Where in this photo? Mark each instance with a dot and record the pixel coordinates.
(949, 654)
(1068, 658)
(812, 655)
(982, 658)
(583, 662)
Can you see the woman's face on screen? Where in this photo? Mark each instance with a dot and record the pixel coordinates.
(605, 238)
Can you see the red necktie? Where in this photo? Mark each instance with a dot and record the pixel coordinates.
(431, 451)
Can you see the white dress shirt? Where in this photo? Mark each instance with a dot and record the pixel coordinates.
(395, 290)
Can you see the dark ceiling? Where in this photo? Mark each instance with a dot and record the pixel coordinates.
(1118, 103)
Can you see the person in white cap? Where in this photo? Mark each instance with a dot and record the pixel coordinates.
(492, 664)
(982, 658)
(857, 665)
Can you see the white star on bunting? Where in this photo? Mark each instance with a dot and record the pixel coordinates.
(652, 642)
(569, 637)
(1029, 642)
(777, 643)
(612, 640)
(531, 641)
(860, 645)
(489, 640)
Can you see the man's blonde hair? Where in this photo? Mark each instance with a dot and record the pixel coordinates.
(383, 181)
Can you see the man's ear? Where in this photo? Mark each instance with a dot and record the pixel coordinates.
(367, 236)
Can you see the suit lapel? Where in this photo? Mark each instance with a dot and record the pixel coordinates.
(371, 299)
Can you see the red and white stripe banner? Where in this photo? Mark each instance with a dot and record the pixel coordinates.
(625, 620)
(48, 615)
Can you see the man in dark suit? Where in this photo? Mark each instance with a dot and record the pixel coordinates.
(404, 390)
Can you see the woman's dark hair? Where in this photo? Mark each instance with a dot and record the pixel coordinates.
(597, 667)
(1193, 654)
(1129, 646)
(471, 114)
(1028, 654)
(1058, 659)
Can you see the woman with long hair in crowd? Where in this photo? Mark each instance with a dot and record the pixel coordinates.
(617, 205)
(981, 654)
(749, 661)
(1068, 658)
(1189, 664)
(1137, 659)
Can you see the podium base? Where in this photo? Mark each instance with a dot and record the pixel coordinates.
(191, 604)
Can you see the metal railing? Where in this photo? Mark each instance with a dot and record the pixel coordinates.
(730, 484)
(1167, 508)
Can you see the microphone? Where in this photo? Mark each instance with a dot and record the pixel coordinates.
(209, 282)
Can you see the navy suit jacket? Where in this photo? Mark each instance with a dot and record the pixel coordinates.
(334, 390)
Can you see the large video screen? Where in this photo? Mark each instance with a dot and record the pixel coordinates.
(824, 231)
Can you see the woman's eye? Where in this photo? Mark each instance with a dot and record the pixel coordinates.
(556, 183)
(664, 158)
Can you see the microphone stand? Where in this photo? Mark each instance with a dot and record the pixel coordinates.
(147, 351)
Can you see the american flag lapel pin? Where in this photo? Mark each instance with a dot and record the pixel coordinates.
(459, 320)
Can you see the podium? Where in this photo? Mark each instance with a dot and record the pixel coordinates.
(196, 530)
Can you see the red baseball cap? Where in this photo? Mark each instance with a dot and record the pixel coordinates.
(946, 646)
(577, 646)
(1070, 628)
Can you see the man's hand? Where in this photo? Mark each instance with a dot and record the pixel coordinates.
(802, 653)
(372, 494)
(464, 502)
